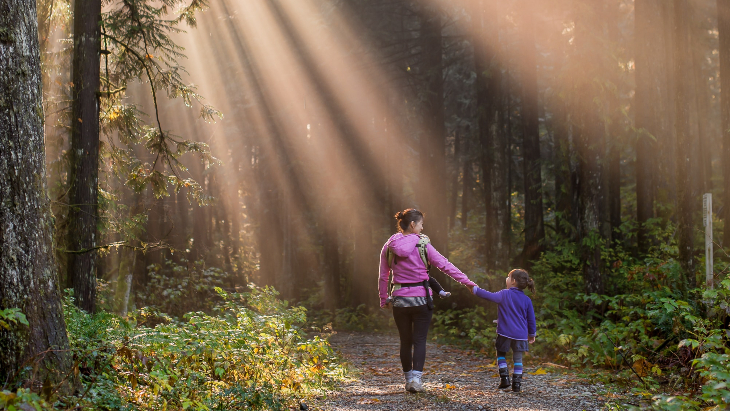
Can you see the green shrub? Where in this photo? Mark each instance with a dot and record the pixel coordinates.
(252, 354)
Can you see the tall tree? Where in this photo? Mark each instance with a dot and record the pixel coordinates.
(648, 21)
(615, 140)
(684, 150)
(84, 154)
(534, 224)
(492, 137)
(28, 277)
(723, 26)
(432, 148)
(590, 148)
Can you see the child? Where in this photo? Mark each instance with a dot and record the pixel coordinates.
(516, 324)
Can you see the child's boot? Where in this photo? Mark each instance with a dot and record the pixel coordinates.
(516, 382)
(503, 378)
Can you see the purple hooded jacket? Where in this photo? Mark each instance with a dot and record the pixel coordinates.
(409, 268)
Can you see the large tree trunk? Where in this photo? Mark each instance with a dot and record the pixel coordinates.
(28, 277)
(723, 26)
(84, 154)
(685, 198)
(432, 148)
(534, 225)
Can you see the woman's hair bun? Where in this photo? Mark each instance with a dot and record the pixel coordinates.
(407, 216)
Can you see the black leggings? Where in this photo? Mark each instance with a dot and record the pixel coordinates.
(412, 325)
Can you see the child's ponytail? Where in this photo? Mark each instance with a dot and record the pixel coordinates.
(523, 279)
(531, 285)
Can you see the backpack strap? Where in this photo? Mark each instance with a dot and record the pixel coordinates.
(423, 241)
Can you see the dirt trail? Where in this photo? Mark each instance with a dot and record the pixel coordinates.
(455, 379)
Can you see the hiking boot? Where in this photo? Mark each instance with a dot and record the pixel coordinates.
(416, 385)
(504, 381)
(516, 382)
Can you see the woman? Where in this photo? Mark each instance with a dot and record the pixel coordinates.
(411, 295)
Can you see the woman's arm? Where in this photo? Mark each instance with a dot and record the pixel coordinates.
(435, 258)
(493, 297)
(383, 277)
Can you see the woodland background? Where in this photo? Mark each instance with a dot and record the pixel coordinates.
(196, 151)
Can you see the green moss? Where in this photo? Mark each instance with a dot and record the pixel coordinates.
(6, 35)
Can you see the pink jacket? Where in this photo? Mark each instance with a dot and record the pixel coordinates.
(409, 268)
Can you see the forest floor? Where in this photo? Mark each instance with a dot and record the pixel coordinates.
(455, 379)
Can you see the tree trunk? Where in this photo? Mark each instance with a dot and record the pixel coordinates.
(534, 225)
(84, 154)
(647, 120)
(615, 137)
(432, 147)
(723, 26)
(666, 193)
(492, 138)
(28, 277)
(458, 161)
(465, 193)
(590, 146)
(562, 167)
(332, 274)
(685, 199)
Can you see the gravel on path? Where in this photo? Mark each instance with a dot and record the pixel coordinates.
(455, 379)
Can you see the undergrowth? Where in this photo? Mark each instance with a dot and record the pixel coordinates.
(250, 354)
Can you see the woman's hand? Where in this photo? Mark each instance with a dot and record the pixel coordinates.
(473, 288)
(530, 340)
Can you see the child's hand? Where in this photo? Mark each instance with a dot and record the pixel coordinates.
(530, 340)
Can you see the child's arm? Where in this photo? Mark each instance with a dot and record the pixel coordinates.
(493, 297)
(531, 326)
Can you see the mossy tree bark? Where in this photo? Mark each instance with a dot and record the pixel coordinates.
(28, 278)
(83, 174)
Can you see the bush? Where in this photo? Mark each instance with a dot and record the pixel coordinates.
(252, 355)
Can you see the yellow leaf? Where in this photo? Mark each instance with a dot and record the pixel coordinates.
(642, 367)
(538, 371)
(449, 386)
